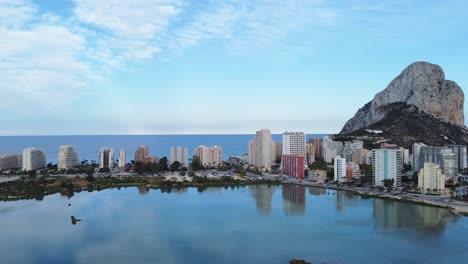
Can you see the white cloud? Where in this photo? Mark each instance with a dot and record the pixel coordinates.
(40, 64)
(125, 30)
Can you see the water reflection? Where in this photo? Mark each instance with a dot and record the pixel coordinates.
(392, 214)
(143, 190)
(344, 200)
(317, 191)
(294, 202)
(263, 195)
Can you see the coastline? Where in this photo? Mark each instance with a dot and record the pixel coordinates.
(460, 209)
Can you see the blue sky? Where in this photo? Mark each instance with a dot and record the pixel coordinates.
(183, 67)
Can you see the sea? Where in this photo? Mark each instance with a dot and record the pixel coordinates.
(88, 147)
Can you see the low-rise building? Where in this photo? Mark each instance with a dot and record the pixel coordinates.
(431, 180)
(319, 176)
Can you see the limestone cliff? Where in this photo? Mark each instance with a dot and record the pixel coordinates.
(422, 85)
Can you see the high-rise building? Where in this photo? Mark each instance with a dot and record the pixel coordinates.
(122, 158)
(33, 159)
(360, 156)
(106, 158)
(293, 166)
(460, 156)
(386, 164)
(262, 149)
(278, 150)
(209, 156)
(431, 179)
(415, 155)
(10, 161)
(350, 147)
(310, 152)
(331, 149)
(442, 156)
(339, 169)
(180, 154)
(67, 157)
(142, 155)
(294, 143)
(317, 142)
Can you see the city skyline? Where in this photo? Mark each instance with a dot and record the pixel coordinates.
(83, 67)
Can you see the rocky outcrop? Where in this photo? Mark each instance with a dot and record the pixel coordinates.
(405, 124)
(422, 85)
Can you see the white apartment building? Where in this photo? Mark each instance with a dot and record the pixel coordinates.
(122, 158)
(294, 143)
(33, 159)
(209, 156)
(386, 164)
(339, 169)
(67, 157)
(430, 179)
(10, 161)
(262, 150)
(180, 154)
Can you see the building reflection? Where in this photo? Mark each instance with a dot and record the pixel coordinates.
(393, 214)
(317, 191)
(345, 199)
(263, 196)
(294, 201)
(143, 190)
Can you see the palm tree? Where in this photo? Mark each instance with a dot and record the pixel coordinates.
(428, 190)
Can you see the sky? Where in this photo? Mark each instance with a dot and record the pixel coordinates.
(75, 67)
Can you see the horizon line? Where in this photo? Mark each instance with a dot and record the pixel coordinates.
(177, 134)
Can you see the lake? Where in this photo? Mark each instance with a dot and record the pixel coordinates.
(254, 224)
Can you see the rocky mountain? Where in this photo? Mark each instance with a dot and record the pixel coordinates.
(421, 84)
(418, 105)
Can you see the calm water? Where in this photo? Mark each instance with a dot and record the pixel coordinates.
(256, 224)
(88, 146)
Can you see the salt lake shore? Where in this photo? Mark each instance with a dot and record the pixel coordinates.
(17, 188)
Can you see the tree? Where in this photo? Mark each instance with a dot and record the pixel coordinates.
(319, 164)
(163, 164)
(242, 173)
(32, 173)
(388, 183)
(176, 166)
(139, 167)
(104, 170)
(196, 164)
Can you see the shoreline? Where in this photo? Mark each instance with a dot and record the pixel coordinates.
(460, 210)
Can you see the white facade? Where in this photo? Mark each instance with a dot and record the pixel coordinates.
(416, 155)
(122, 158)
(33, 159)
(180, 154)
(431, 177)
(294, 143)
(340, 169)
(386, 164)
(67, 158)
(10, 161)
(209, 156)
(262, 150)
